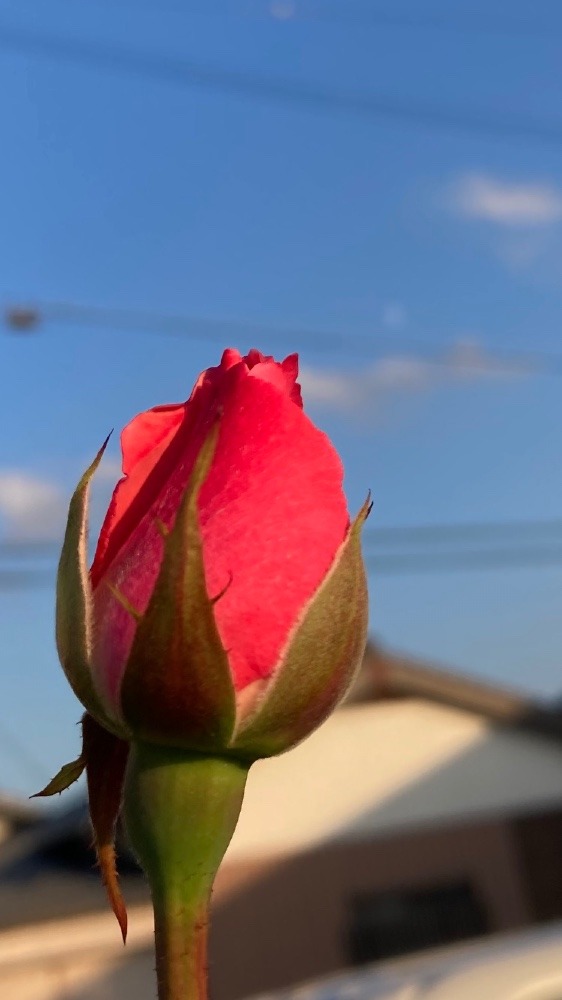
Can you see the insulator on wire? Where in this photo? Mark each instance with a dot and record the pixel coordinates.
(22, 319)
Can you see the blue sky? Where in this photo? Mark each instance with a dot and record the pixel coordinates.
(121, 188)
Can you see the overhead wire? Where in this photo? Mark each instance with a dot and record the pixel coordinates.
(516, 558)
(25, 318)
(426, 548)
(384, 564)
(521, 531)
(456, 21)
(295, 11)
(182, 72)
(470, 532)
(22, 579)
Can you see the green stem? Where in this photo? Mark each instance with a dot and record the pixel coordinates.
(181, 946)
(181, 810)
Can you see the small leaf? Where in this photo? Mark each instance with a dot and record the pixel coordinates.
(67, 775)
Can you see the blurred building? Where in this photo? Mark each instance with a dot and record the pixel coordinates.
(427, 810)
(16, 816)
(517, 964)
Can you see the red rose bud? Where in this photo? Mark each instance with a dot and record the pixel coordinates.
(226, 606)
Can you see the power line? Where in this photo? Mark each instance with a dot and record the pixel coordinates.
(465, 532)
(27, 319)
(459, 21)
(470, 532)
(459, 560)
(296, 11)
(23, 579)
(27, 548)
(188, 74)
(392, 564)
(463, 561)
(386, 536)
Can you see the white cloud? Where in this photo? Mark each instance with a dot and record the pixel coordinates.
(325, 387)
(505, 203)
(394, 315)
(522, 250)
(404, 374)
(31, 508)
(282, 10)
(109, 471)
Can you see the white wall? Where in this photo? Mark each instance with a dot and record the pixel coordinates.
(375, 768)
(79, 959)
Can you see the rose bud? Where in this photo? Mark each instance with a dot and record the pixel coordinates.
(222, 620)
(226, 606)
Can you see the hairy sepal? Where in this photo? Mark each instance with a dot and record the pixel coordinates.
(105, 757)
(74, 603)
(320, 659)
(177, 688)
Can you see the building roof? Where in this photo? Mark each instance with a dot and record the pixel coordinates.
(373, 769)
(48, 870)
(413, 746)
(19, 813)
(524, 963)
(387, 675)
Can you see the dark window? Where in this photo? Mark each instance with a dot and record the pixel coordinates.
(539, 839)
(72, 852)
(75, 852)
(384, 924)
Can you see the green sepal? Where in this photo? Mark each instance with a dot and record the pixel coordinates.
(320, 660)
(74, 602)
(68, 774)
(177, 688)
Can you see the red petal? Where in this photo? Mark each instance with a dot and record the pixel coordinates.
(134, 552)
(290, 368)
(283, 376)
(143, 442)
(273, 515)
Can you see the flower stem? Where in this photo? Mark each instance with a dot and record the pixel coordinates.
(181, 947)
(181, 810)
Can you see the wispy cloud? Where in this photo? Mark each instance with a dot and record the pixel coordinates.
(34, 508)
(108, 472)
(505, 203)
(362, 391)
(30, 507)
(394, 316)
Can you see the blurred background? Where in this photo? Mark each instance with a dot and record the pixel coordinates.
(377, 185)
